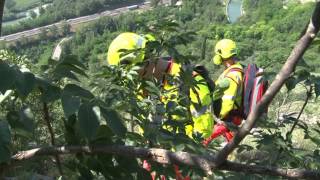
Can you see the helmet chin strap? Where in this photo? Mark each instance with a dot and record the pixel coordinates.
(229, 62)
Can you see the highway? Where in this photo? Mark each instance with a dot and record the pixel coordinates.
(73, 22)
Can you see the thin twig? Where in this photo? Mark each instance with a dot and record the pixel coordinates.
(309, 94)
(47, 120)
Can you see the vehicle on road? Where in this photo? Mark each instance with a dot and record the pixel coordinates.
(132, 7)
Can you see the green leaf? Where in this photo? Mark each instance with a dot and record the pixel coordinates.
(267, 140)
(179, 111)
(71, 135)
(103, 135)
(26, 117)
(5, 140)
(293, 164)
(49, 92)
(180, 147)
(71, 98)
(152, 88)
(68, 67)
(76, 90)
(291, 83)
(13, 119)
(21, 122)
(244, 147)
(72, 68)
(70, 104)
(302, 62)
(88, 121)
(25, 83)
(64, 73)
(316, 42)
(72, 59)
(135, 137)
(114, 121)
(8, 77)
(302, 74)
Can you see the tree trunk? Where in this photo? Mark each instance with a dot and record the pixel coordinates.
(1, 13)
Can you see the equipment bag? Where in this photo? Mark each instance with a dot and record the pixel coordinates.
(254, 86)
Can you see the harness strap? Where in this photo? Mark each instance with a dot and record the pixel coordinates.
(232, 79)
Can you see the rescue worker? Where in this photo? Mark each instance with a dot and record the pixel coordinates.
(227, 107)
(200, 96)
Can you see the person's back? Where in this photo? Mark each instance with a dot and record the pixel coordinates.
(232, 96)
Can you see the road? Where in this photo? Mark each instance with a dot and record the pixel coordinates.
(72, 22)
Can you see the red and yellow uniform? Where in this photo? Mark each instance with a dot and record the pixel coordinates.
(231, 98)
(230, 101)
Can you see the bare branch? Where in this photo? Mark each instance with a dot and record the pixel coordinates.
(296, 54)
(163, 156)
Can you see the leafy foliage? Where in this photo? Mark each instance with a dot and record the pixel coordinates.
(95, 104)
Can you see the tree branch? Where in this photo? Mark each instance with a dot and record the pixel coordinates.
(296, 54)
(47, 119)
(163, 156)
(1, 13)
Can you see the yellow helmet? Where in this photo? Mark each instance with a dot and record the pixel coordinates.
(149, 37)
(128, 41)
(224, 49)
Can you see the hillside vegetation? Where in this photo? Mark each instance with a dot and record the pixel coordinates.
(15, 9)
(62, 10)
(80, 100)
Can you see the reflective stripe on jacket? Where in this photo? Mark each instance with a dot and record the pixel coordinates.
(201, 111)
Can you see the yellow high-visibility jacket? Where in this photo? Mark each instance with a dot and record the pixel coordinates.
(232, 96)
(201, 111)
(200, 104)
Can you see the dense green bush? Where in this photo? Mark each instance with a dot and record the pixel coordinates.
(265, 35)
